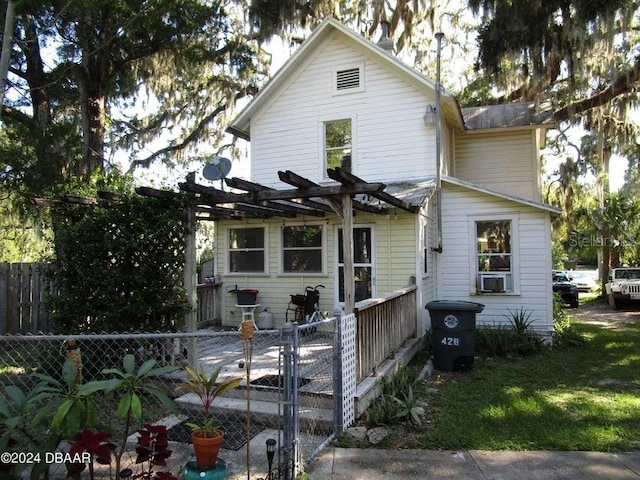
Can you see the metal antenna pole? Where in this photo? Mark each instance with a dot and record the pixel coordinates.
(439, 36)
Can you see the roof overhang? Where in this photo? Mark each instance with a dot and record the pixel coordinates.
(522, 201)
(510, 116)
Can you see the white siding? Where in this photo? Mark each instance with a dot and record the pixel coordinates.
(395, 263)
(390, 138)
(426, 282)
(533, 253)
(506, 162)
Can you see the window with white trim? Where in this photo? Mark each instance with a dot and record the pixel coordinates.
(247, 250)
(494, 255)
(337, 144)
(302, 247)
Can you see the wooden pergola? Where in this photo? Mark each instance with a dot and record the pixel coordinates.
(305, 198)
(347, 196)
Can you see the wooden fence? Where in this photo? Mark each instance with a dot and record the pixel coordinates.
(209, 311)
(23, 289)
(383, 325)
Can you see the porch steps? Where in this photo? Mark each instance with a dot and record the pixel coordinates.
(316, 420)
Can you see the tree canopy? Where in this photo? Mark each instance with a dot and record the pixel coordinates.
(79, 68)
(158, 78)
(582, 53)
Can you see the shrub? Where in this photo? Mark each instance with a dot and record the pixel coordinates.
(399, 400)
(564, 333)
(119, 266)
(517, 339)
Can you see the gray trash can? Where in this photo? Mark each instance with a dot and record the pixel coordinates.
(454, 333)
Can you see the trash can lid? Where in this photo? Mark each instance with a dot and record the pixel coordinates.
(439, 305)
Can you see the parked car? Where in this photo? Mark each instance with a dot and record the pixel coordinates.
(584, 281)
(623, 286)
(567, 290)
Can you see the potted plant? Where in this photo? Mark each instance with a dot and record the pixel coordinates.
(206, 437)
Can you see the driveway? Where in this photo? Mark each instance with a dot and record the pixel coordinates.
(601, 313)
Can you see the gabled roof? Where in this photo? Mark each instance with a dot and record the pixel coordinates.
(506, 196)
(242, 123)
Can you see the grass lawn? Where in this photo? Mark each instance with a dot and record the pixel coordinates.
(580, 398)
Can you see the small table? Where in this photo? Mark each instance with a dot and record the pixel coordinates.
(247, 314)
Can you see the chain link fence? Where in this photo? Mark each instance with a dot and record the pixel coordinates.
(256, 413)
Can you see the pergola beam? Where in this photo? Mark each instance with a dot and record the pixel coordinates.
(347, 178)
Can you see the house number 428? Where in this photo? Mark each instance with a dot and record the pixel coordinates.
(450, 341)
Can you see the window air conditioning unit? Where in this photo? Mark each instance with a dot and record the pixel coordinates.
(493, 282)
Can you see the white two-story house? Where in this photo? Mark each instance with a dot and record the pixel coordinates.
(342, 101)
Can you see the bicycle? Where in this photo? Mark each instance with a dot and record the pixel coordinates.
(306, 306)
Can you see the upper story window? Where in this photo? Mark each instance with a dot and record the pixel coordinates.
(302, 249)
(247, 250)
(337, 144)
(494, 257)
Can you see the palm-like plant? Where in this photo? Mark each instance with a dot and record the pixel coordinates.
(133, 383)
(206, 388)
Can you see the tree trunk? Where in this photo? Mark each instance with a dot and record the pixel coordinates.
(92, 100)
(605, 155)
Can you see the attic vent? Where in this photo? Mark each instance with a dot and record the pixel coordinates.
(346, 79)
(349, 80)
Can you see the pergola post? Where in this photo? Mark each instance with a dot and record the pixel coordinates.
(190, 272)
(347, 253)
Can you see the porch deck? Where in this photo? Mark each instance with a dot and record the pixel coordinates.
(387, 336)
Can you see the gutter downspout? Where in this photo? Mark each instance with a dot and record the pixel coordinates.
(438, 248)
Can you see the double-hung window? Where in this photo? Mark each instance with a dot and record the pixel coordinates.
(337, 144)
(494, 255)
(302, 249)
(247, 250)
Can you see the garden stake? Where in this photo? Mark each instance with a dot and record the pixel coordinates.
(247, 348)
(73, 353)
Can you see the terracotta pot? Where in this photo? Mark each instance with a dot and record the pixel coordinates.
(207, 448)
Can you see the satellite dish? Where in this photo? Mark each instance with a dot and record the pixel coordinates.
(217, 169)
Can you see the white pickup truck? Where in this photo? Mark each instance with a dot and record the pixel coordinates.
(623, 286)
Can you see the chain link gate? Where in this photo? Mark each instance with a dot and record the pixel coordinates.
(313, 403)
(318, 389)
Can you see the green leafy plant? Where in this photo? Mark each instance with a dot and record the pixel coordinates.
(564, 333)
(119, 266)
(399, 399)
(24, 418)
(206, 389)
(494, 341)
(520, 321)
(408, 408)
(132, 384)
(76, 409)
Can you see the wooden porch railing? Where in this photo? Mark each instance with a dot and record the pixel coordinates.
(209, 304)
(383, 325)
